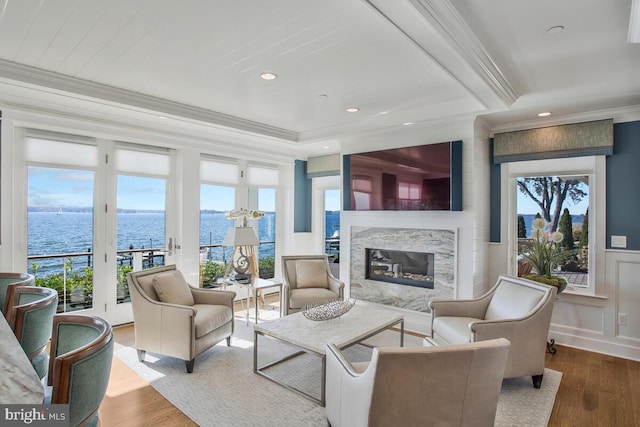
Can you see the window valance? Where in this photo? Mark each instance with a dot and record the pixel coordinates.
(572, 140)
(323, 166)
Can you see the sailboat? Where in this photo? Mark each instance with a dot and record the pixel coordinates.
(59, 212)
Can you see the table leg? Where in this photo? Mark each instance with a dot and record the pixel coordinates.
(255, 351)
(255, 297)
(248, 304)
(323, 400)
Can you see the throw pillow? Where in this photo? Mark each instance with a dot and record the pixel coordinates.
(311, 273)
(173, 288)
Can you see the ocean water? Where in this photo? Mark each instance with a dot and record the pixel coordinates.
(51, 233)
(528, 220)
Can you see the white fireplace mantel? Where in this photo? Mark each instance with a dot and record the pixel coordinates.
(461, 223)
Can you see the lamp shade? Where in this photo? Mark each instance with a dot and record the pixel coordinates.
(241, 236)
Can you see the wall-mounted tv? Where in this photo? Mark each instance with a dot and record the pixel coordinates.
(425, 177)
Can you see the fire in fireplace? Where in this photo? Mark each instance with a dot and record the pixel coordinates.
(401, 267)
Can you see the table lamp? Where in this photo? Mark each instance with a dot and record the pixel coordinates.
(243, 260)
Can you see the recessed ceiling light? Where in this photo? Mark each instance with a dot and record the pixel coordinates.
(544, 114)
(352, 110)
(326, 147)
(163, 117)
(407, 123)
(556, 29)
(268, 76)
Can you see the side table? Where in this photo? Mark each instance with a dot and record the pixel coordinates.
(254, 287)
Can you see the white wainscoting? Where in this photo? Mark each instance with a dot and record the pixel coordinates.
(592, 323)
(626, 273)
(577, 315)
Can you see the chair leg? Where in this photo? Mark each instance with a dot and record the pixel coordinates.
(141, 354)
(228, 341)
(537, 381)
(189, 364)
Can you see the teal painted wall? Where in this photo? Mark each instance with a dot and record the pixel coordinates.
(623, 178)
(301, 199)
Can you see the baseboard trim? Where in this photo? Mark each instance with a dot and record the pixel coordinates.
(596, 345)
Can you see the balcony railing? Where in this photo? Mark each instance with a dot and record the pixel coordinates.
(71, 274)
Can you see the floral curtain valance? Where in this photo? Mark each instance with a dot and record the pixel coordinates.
(578, 139)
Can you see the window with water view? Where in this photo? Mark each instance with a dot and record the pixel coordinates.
(553, 222)
(60, 233)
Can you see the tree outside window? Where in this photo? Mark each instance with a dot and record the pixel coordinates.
(563, 203)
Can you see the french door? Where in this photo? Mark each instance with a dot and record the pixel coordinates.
(90, 219)
(144, 229)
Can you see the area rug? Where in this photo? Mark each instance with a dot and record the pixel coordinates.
(224, 391)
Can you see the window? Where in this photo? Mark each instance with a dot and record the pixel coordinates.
(263, 182)
(266, 230)
(408, 191)
(141, 214)
(564, 193)
(332, 223)
(60, 218)
(219, 179)
(362, 189)
(562, 203)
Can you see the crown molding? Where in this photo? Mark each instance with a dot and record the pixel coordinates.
(59, 82)
(450, 24)
(234, 142)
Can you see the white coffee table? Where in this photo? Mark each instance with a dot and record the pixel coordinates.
(361, 322)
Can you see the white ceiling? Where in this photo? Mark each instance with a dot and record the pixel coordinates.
(398, 61)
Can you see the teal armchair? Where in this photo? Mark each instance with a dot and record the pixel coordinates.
(8, 282)
(31, 311)
(80, 365)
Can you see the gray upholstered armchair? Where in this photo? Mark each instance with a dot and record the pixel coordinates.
(307, 279)
(456, 385)
(175, 319)
(516, 309)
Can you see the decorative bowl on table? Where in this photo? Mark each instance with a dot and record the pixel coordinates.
(327, 311)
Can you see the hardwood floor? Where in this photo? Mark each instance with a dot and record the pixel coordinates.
(596, 390)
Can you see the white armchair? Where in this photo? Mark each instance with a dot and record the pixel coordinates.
(516, 309)
(457, 385)
(307, 279)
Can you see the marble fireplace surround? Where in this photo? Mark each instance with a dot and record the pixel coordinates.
(442, 243)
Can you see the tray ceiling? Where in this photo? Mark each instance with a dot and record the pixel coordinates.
(406, 61)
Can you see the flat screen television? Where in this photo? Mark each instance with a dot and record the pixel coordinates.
(425, 177)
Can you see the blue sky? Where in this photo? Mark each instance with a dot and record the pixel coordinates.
(528, 206)
(332, 200)
(214, 197)
(60, 187)
(66, 188)
(136, 192)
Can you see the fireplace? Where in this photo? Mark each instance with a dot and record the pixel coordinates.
(401, 267)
